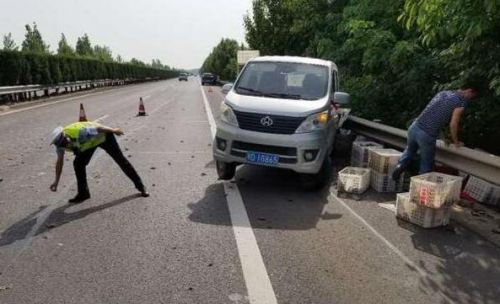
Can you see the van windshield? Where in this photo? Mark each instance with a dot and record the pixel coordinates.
(284, 80)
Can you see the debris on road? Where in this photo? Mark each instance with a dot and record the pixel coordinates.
(153, 168)
(203, 174)
(129, 155)
(5, 287)
(192, 156)
(51, 226)
(190, 288)
(262, 219)
(153, 185)
(182, 141)
(169, 164)
(496, 230)
(210, 265)
(1, 179)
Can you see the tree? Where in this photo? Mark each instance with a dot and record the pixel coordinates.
(33, 41)
(64, 48)
(8, 43)
(83, 46)
(136, 61)
(222, 60)
(103, 53)
(119, 59)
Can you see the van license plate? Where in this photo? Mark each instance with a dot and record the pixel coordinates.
(263, 158)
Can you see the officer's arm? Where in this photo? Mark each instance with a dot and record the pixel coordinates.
(454, 123)
(59, 167)
(104, 129)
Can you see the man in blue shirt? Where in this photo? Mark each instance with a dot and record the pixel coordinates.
(446, 107)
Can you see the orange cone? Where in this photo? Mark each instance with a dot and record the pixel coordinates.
(82, 117)
(142, 110)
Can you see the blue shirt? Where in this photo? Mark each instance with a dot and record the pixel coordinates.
(438, 112)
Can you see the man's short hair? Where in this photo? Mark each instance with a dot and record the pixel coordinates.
(478, 85)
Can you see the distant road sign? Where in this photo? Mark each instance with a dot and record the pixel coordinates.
(244, 56)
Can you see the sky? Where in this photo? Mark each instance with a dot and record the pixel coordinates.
(179, 33)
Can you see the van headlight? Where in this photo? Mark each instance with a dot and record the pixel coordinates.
(227, 115)
(314, 122)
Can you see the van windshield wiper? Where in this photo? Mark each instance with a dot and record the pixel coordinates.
(283, 95)
(253, 91)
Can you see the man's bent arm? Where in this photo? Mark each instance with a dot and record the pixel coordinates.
(454, 124)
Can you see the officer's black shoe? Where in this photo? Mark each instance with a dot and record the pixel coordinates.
(144, 192)
(79, 198)
(397, 172)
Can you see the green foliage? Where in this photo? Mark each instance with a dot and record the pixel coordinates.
(8, 43)
(64, 48)
(393, 55)
(33, 41)
(84, 47)
(19, 68)
(222, 60)
(103, 53)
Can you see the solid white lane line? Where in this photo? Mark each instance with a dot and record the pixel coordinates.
(394, 249)
(211, 120)
(259, 287)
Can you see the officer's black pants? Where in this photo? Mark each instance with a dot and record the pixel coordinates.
(110, 145)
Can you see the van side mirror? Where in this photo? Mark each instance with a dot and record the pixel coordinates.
(341, 98)
(226, 88)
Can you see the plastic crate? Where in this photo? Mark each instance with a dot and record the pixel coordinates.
(384, 182)
(482, 191)
(384, 160)
(421, 215)
(360, 152)
(354, 180)
(435, 189)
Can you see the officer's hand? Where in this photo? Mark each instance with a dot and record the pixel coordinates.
(118, 132)
(53, 187)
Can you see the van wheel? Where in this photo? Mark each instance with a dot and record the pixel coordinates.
(311, 182)
(225, 170)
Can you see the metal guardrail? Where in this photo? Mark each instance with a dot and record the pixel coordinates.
(483, 165)
(38, 87)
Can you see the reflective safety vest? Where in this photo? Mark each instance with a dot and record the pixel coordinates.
(73, 132)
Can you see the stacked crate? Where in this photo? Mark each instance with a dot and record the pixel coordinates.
(482, 191)
(429, 200)
(382, 162)
(360, 152)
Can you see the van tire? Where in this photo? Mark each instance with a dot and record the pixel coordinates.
(225, 171)
(312, 182)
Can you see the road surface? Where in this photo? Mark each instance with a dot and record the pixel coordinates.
(259, 239)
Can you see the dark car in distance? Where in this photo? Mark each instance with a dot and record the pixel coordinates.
(183, 76)
(208, 78)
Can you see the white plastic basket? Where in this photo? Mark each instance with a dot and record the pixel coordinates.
(384, 160)
(360, 152)
(354, 180)
(384, 182)
(421, 215)
(481, 190)
(435, 189)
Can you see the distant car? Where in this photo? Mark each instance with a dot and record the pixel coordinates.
(183, 76)
(208, 78)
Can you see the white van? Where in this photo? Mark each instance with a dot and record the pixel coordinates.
(281, 112)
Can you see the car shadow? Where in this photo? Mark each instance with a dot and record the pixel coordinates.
(56, 218)
(468, 267)
(274, 199)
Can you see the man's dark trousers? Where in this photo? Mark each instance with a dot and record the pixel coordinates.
(110, 145)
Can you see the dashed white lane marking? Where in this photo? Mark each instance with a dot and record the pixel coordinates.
(101, 118)
(394, 249)
(259, 288)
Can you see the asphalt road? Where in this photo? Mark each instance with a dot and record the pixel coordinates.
(189, 242)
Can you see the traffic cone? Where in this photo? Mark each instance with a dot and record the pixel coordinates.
(82, 117)
(142, 110)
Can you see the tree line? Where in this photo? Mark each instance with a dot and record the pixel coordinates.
(222, 60)
(33, 63)
(394, 55)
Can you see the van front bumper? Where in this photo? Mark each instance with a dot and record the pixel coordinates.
(231, 145)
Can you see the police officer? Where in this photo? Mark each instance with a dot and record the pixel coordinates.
(83, 138)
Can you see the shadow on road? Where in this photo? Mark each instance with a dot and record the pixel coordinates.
(57, 218)
(467, 267)
(274, 199)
